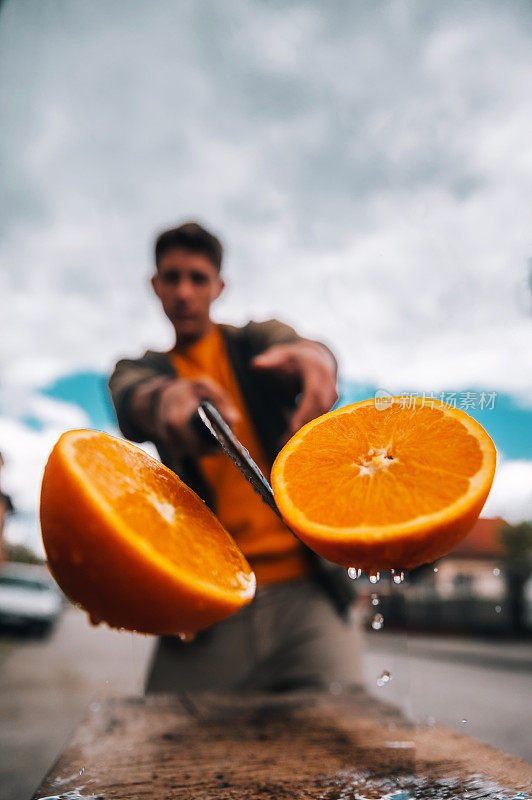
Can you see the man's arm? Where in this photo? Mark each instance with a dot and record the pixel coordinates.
(155, 407)
(312, 363)
(131, 386)
(316, 368)
(176, 404)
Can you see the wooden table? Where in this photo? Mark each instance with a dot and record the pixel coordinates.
(287, 746)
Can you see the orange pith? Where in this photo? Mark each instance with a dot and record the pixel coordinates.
(134, 545)
(385, 487)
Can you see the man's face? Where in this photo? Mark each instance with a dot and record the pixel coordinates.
(186, 284)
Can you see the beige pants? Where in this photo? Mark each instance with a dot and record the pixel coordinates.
(289, 637)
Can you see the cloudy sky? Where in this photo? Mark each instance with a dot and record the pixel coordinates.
(367, 164)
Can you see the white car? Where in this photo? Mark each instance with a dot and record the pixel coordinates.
(28, 598)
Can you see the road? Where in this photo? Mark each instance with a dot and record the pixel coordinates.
(481, 688)
(46, 688)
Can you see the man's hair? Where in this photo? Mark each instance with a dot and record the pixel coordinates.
(192, 237)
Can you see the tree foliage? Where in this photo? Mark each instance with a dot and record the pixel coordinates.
(517, 542)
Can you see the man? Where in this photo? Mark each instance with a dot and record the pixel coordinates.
(267, 382)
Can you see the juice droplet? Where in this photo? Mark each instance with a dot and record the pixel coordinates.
(94, 619)
(384, 678)
(375, 599)
(498, 609)
(375, 577)
(464, 722)
(436, 569)
(398, 577)
(187, 637)
(377, 622)
(496, 572)
(354, 573)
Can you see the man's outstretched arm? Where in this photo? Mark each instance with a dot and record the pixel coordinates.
(315, 366)
(159, 408)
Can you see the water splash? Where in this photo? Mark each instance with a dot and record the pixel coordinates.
(348, 785)
(384, 678)
(377, 622)
(374, 577)
(354, 573)
(75, 794)
(67, 779)
(398, 576)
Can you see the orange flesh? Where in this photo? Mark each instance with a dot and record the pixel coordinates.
(128, 541)
(372, 472)
(161, 512)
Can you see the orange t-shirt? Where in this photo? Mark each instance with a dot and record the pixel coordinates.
(272, 550)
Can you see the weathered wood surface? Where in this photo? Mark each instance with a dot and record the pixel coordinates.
(302, 745)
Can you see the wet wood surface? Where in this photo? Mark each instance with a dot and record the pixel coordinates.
(300, 745)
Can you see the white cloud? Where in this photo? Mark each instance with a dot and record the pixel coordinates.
(26, 450)
(511, 495)
(369, 167)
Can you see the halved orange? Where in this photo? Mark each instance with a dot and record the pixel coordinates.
(385, 484)
(131, 543)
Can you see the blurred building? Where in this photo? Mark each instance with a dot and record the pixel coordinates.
(465, 591)
(473, 568)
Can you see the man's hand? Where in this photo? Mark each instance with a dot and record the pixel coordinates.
(314, 365)
(177, 403)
